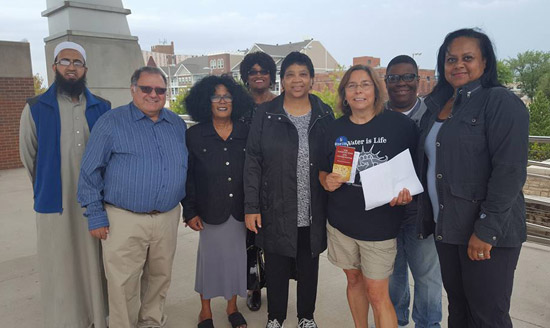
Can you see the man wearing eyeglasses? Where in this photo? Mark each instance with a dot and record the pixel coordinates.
(132, 180)
(53, 133)
(420, 256)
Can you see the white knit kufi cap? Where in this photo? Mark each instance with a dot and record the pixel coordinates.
(69, 45)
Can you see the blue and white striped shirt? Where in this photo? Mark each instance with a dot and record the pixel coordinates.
(133, 163)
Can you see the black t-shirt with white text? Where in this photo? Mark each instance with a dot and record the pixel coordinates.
(377, 141)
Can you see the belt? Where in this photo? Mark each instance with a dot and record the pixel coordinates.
(153, 212)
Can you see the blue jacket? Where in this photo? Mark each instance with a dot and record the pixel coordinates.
(45, 113)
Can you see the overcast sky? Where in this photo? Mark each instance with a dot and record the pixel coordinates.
(347, 28)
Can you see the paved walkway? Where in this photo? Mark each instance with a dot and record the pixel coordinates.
(19, 285)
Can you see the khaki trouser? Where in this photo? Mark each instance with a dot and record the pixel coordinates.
(138, 255)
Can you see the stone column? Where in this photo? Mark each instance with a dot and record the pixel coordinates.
(100, 26)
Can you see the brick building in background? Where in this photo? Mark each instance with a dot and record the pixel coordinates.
(327, 79)
(16, 85)
(162, 55)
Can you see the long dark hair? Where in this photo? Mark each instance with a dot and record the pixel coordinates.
(488, 79)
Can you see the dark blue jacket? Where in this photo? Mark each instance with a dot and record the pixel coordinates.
(481, 166)
(45, 113)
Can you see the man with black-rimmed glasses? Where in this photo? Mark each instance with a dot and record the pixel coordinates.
(132, 180)
(419, 255)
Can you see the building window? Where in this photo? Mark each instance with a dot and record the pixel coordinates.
(220, 63)
(213, 63)
(428, 78)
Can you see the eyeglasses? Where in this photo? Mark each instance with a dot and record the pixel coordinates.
(148, 90)
(217, 99)
(67, 62)
(394, 78)
(253, 72)
(363, 85)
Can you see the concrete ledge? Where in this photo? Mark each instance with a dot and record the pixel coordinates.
(540, 200)
(80, 5)
(90, 34)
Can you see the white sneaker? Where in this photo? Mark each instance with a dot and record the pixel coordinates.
(307, 323)
(274, 324)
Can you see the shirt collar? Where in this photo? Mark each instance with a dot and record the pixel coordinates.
(69, 98)
(470, 87)
(414, 107)
(239, 130)
(137, 114)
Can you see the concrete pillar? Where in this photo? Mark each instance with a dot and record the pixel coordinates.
(100, 26)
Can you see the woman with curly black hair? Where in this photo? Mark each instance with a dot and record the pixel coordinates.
(214, 204)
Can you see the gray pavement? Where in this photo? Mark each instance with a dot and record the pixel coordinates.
(20, 295)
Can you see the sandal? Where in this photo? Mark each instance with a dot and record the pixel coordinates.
(206, 323)
(236, 319)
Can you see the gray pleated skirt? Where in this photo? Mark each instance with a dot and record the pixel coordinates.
(221, 260)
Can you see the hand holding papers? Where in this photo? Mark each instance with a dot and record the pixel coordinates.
(383, 182)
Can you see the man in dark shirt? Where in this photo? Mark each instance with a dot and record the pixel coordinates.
(131, 182)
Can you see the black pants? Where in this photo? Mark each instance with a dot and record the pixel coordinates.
(478, 291)
(278, 270)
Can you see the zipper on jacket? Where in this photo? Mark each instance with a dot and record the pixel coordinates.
(469, 93)
(320, 116)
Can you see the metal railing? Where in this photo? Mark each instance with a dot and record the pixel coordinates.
(538, 206)
(188, 120)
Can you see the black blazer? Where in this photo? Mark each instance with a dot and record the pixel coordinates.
(215, 173)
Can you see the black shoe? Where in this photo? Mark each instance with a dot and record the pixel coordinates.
(254, 300)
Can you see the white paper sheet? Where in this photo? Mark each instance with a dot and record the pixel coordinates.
(383, 182)
(354, 168)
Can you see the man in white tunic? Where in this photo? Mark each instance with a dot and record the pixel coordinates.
(53, 133)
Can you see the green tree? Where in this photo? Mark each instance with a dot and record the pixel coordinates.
(38, 84)
(544, 85)
(505, 75)
(178, 106)
(330, 95)
(529, 67)
(539, 111)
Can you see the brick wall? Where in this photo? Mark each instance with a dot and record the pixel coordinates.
(13, 94)
(16, 85)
